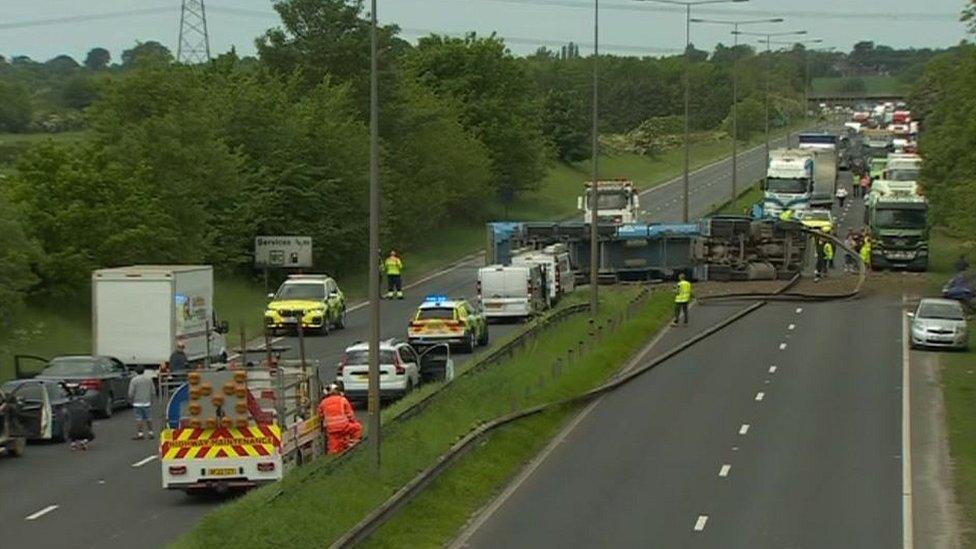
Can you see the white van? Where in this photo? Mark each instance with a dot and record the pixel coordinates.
(554, 260)
(512, 291)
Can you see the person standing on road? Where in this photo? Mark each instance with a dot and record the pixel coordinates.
(341, 427)
(866, 253)
(141, 394)
(682, 298)
(178, 361)
(865, 184)
(393, 266)
(821, 268)
(841, 196)
(851, 242)
(828, 252)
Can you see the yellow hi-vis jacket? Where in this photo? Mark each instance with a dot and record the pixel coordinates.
(828, 251)
(684, 292)
(787, 215)
(393, 265)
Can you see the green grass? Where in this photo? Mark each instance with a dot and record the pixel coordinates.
(327, 500)
(958, 386)
(12, 145)
(873, 84)
(742, 204)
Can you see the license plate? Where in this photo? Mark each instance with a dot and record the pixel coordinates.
(222, 472)
(289, 320)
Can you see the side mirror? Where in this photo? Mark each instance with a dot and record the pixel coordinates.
(270, 296)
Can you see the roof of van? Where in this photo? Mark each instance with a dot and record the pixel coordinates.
(153, 269)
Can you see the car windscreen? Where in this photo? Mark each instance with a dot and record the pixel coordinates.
(361, 356)
(436, 313)
(71, 367)
(816, 216)
(792, 186)
(907, 219)
(25, 391)
(946, 311)
(301, 291)
(616, 200)
(903, 175)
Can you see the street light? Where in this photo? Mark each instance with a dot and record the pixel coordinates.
(595, 155)
(735, 87)
(806, 74)
(688, 4)
(768, 36)
(374, 243)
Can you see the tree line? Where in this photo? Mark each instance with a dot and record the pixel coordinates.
(187, 164)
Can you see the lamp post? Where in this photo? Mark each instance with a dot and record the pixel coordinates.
(735, 87)
(374, 243)
(768, 36)
(595, 154)
(688, 5)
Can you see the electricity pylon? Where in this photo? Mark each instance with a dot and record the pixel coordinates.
(194, 45)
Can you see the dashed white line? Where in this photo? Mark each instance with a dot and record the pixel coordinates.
(41, 513)
(700, 523)
(799, 310)
(759, 396)
(772, 369)
(744, 429)
(144, 461)
(782, 346)
(791, 327)
(724, 471)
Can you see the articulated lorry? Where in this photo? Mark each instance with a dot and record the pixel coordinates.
(896, 216)
(789, 181)
(823, 147)
(617, 201)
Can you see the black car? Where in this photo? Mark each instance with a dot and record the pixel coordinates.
(104, 379)
(48, 409)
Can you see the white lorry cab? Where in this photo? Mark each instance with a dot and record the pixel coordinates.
(512, 291)
(789, 181)
(554, 260)
(617, 201)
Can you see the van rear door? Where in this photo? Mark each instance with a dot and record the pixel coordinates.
(505, 291)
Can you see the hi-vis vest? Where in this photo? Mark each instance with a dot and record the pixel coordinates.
(393, 265)
(336, 412)
(684, 292)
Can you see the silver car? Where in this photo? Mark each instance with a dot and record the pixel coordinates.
(939, 323)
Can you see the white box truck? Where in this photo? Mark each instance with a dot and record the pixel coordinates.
(140, 312)
(512, 291)
(824, 149)
(554, 260)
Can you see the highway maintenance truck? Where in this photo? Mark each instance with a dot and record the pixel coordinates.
(896, 216)
(239, 427)
(823, 147)
(617, 200)
(789, 181)
(141, 312)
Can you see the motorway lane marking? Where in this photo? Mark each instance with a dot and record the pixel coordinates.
(799, 310)
(782, 346)
(744, 429)
(41, 513)
(724, 471)
(907, 514)
(700, 523)
(144, 461)
(772, 369)
(760, 396)
(791, 327)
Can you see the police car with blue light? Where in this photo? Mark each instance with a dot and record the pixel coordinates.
(442, 319)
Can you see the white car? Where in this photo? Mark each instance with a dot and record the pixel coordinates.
(939, 323)
(399, 370)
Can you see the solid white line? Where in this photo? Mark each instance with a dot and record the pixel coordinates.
(41, 513)
(799, 310)
(144, 461)
(791, 327)
(782, 346)
(759, 396)
(700, 523)
(724, 472)
(907, 516)
(744, 429)
(772, 369)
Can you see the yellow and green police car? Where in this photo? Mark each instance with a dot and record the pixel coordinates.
(818, 220)
(441, 319)
(311, 302)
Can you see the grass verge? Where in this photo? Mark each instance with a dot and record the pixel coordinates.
(959, 387)
(743, 204)
(328, 500)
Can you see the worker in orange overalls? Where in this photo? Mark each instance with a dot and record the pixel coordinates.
(341, 426)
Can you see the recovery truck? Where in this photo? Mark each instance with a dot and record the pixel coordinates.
(789, 181)
(617, 201)
(239, 427)
(896, 216)
(823, 146)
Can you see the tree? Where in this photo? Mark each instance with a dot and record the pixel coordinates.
(64, 64)
(78, 92)
(969, 16)
(97, 59)
(15, 107)
(853, 85)
(749, 118)
(17, 252)
(151, 51)
(566, 123)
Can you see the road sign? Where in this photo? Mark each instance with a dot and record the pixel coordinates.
(283, 251)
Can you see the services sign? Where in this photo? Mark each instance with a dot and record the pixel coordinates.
(283, 251)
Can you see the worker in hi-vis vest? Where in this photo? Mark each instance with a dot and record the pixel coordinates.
(681, 299)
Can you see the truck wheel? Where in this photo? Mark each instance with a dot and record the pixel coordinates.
(18, 447)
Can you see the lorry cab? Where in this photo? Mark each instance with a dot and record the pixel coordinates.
(512, 291)
(618, 202)
(789, 181)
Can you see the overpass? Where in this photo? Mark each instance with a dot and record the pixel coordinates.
(852, 98)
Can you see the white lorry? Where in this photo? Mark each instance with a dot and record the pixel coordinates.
(512, 291)
(823, 146)
(617, 200)
(789, 181)
(139, 313)
(903, 167)
(554, 260)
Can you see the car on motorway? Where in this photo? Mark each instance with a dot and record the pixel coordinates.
(49, 409)
(103, 380)
(316, 299)
(440, 319)
(816, 219)
(13, 436)
(399, 370)
(939, 323)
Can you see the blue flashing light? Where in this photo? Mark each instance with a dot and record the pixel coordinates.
(436, 298)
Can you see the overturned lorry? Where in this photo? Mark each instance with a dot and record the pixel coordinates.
(714, 248)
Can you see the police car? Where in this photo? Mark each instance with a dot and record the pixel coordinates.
(441, 319)
(313, 301)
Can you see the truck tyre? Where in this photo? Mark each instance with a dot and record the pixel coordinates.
(108, 406)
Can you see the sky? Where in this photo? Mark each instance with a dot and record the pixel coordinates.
(42, 29)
